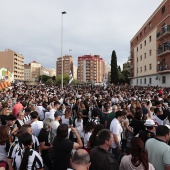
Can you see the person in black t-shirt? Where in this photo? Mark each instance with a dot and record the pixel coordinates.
(45, 145)
(62, 147)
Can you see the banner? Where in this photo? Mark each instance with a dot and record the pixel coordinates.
(5, 78)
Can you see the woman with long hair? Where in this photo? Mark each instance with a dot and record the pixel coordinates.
(79, 124)
(87, 133)
(137, 122)
(84, 111)
(27, 159)
(138, 159)
(67, 119)
(93, 138)
(4, 142)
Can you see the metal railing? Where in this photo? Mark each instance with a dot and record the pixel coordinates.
(164, 30)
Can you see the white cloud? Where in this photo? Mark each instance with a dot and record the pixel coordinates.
(33, 27)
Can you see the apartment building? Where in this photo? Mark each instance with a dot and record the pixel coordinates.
(32, 72)
(90, 69)
(14, 62)
(67, 65)
(150, 50)
(48, 72)
(74, 72)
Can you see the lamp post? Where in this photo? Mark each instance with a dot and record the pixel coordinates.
(62, 48)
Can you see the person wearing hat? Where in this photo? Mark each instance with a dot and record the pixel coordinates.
(55, 124)
(149, 132)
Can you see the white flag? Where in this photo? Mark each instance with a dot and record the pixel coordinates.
(70, 77)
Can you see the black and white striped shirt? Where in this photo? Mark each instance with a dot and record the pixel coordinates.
(17, 146)
(34, 160)
(27, 119)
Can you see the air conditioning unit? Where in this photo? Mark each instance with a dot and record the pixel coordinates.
(158, 62)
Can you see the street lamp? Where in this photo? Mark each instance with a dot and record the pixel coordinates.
(62, 48)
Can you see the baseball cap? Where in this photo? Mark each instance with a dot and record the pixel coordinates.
(150, 123)
(57, 113)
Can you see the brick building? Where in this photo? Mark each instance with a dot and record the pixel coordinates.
(90, 69)
(150, 50)
(14, 62)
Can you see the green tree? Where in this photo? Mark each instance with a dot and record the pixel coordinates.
(49, 81)
(44, 78)
(124, 76)
(65, 80)
(114, 70)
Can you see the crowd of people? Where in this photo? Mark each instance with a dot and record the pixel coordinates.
(96, 128)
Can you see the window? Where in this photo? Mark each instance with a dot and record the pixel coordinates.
(163, 9)
(141, 58)
(150, 38)
(140, 46)
(137, 49)
(150, 25)
(140, 81)
(163, 79)
(137, 81)
(150, 80)
(144, 80)
(141, 69)
(150, 52)
(145, 43)
(137, 70)
(145, 67)
(137, 59)
(144, 55)
(150, 66)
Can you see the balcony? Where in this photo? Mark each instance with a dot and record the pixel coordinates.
(162, 34)
(163, 68)
(163, 49)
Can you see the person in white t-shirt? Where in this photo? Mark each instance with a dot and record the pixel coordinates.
(156, 117)
(40, 110)
(88, 131)
(116, 129)
(55, 124)
(79, 124)
(36, 124)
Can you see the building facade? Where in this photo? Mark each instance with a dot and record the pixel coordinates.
(48, 72)
(14, 62)
(90, 69)
(32, 72)
(74, 72)
(67, 65)
(150, 50)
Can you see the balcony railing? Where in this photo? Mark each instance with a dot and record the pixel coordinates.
(163, 48)
(163, 32)
(163, 68)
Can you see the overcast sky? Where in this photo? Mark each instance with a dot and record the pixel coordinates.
(96, 27)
